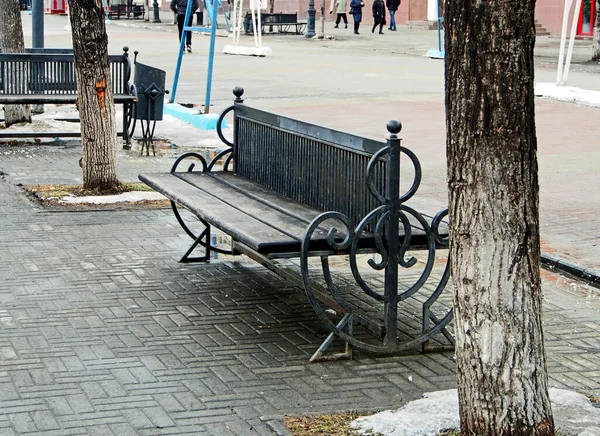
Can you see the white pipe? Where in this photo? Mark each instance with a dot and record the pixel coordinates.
(258, 26)
(572, 40)
(432, 10)
(240, 22)
(235, 22)
(563, 38)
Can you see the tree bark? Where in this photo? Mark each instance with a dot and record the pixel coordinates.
(11, 35)
(494, 218)
(94, 95)
(596, 53)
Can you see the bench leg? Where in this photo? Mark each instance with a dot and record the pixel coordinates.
(148, 136)
(346, 322)
(126, 138)
(203, 239)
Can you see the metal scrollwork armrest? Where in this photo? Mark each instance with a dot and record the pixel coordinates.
(388, 231)
(191, 156)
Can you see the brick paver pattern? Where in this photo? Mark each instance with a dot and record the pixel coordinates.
(104, 332)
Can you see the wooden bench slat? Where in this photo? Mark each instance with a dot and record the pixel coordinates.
(229, 182)
(252, 214)
(236, 216)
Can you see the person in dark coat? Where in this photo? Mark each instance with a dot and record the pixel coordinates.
(356, 11)
(179, 7)
(378, 16)
(392, 6)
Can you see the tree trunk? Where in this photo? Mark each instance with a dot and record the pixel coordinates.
(596, 54)
(494, 218)
(94, 95)
(11, 35)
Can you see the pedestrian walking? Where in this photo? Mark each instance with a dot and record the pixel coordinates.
(378, 16)
(340, 10)
(356, 11)
(180, 7)
(392, 6)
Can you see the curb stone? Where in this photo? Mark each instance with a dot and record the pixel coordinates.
(275, 423)
(554, 263)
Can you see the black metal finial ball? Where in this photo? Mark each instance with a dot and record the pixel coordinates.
(394, 127)
(125, 49)
(238, 91)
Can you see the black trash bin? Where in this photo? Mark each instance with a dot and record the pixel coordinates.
(150, 85)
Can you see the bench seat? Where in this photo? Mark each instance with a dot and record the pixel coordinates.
(256, 216)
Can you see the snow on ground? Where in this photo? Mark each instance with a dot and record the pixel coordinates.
(568, 93)
(574, 415)
(108, 199)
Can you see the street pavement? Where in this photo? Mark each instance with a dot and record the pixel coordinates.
(104, 332)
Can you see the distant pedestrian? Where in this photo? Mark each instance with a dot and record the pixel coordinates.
(340, 9)
(200, 13)
(180, 7)
(392, 6)
(378, 16)
(356, 11)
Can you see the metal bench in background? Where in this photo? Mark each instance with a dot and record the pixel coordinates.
(290, 189)
(276, 22)
(127, 10)
(44, 76)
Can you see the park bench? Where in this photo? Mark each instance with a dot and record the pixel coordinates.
(43, 76)
(281, 22)
(130, 10)
(289, 189)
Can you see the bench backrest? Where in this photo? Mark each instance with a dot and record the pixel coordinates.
(47, 50)
(280, 18)
(53, 73)
(320, 167)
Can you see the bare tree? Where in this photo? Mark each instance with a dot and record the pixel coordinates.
(494, 218)
(596, 54)
(11, 35)
(94, 95)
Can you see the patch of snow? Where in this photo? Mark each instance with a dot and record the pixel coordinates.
(574, 414)
(107, 199)
(424, 417)
(568, 93)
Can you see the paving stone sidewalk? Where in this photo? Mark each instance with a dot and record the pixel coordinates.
(103, 332)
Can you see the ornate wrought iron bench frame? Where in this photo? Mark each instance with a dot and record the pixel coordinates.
(48, 76)
(279, 174)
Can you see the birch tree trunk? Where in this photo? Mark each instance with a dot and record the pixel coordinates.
(596, 54)
(94, 95)
(321, 34)
(11, 35)
(494, 217)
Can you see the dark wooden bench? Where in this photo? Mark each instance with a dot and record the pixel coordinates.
(126, 11)
(290, 189)
(42, 76)
(280, 22)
